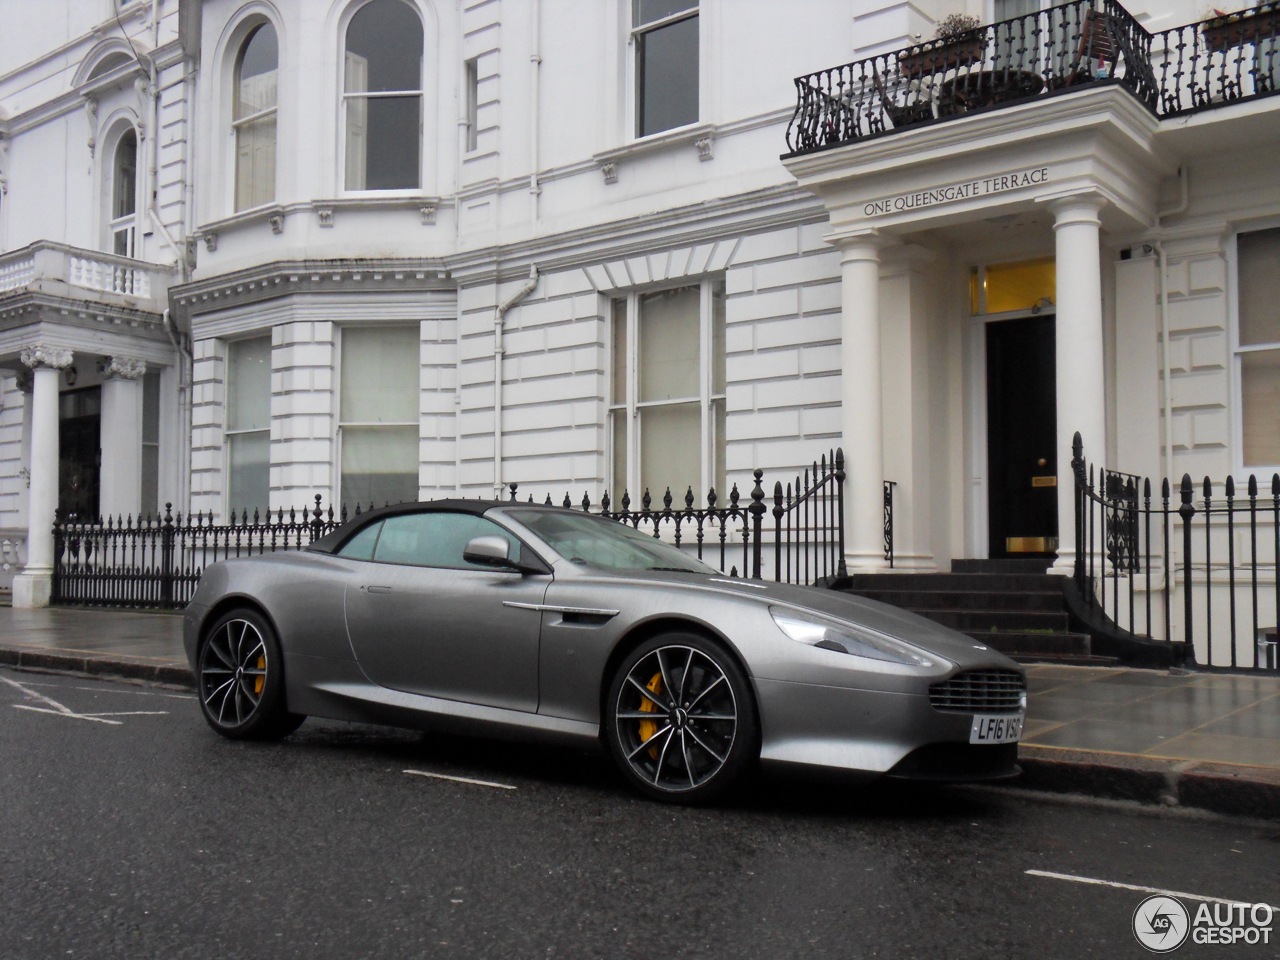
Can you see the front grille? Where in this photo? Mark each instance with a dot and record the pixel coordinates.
(980, 691)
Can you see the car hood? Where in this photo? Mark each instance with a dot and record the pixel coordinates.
(837, 605)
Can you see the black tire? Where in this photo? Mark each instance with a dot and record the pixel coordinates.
(703, 740)
(240, 679)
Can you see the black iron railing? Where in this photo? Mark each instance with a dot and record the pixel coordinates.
(1196, 566)
(1224, 59)
(1221, 60)
(1059, 49)
(888, 522)
(158, 562)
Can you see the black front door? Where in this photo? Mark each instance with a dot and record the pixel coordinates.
(1022, 430)
(79, 453)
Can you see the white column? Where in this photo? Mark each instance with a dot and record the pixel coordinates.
(31, 588)
(120, 492)
(1080, 377)
(860, 397)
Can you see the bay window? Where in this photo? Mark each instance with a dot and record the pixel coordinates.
(1258, 258)
(378, 415)
(382, 97)
(248, 429)
(667, 408)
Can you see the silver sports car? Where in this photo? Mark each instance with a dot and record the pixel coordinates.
(548, 623)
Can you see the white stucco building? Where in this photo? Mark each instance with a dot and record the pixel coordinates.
(419, 248)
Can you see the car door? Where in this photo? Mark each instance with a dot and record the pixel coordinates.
(423, 620)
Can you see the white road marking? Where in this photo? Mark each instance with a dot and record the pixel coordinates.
(106, 689)
(445, 776)
(1131, 886)
(61, 710)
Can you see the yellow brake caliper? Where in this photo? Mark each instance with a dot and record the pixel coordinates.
(648, 727)
(260, 679)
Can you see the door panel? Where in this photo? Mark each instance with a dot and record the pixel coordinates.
(1022, 430)
(445, 630)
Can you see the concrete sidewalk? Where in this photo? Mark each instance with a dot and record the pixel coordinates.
(1203, 740)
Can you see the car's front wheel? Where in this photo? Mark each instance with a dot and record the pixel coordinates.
(680, 719)
(241, 679)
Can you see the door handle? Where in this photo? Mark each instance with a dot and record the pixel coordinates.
(373, 589)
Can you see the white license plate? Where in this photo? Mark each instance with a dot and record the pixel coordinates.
(996, 729)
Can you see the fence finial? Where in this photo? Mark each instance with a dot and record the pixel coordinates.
(513, 487)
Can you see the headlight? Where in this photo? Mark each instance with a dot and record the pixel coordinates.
(848, 638)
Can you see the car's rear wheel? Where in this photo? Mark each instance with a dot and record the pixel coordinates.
(680, 719)
(241, 679)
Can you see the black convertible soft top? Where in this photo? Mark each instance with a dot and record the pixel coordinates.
(333, 540)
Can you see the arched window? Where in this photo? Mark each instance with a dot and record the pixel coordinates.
(255, 118)
(382, 94)
(124, 194)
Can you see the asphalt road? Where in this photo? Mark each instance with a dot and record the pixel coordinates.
(150, 836)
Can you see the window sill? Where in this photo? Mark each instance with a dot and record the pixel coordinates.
(325, 210)
(701, 135)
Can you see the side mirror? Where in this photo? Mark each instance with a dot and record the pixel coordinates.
(489, 551)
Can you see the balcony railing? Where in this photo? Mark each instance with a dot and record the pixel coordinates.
(45, 263)
(1086, 42)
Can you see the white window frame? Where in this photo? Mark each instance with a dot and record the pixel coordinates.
(1235, 372)
(344, 96)
(127, 224)
(632, 405)
(339, 423)
(227, 433)
(634, 34)
(471, 104)
(237, 124)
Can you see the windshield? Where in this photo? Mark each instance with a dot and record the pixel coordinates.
(606, 544)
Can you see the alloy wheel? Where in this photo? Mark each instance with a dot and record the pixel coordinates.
(677, 718)
(233, 673)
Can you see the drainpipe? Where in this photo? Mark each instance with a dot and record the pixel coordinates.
(1184, 174)
(498, 316)
(535, 60)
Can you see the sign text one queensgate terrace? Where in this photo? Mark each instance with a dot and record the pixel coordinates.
(957, 191)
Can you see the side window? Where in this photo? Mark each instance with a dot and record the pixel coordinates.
(360, 547)
(436, 539)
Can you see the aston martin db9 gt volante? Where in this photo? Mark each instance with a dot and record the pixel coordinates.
(548, 623)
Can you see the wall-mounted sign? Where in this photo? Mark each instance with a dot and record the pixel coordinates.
(965, 190)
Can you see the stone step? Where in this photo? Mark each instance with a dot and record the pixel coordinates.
(920, 600)
(1002, 621)
(1041, 644)
(1000, 566)
(966, 582)
(1066, 661)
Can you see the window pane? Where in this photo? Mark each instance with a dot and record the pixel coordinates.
(256, 163)
(257, 81)
(360, 547)
(380, 375)
(667, 77)
(669, 344)
(250, 480)
(1260, 395)
(618, 425)
(670, 452)
(437, 539)
(619, 351)
(124, 193)
(150, 442)
(718, 451)
(249, 384)
(1008, 9)
(1019, 286)
(717, 339)
(379, 465)
(1259, 257)
(383, 138)
(647, 11)
(387, 34)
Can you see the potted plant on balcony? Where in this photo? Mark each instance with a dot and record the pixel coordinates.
(958, 42)
(1223, 31)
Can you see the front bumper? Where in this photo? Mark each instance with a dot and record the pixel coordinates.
(873, 732)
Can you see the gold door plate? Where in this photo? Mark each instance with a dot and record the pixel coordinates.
(1044, 481)
(1030, 544)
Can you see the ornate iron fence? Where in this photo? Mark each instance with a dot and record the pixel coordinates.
(1194, 570)
(1227, 58)
(157, 562)
(1051, 51)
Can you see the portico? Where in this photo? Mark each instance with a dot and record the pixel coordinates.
(915, 216)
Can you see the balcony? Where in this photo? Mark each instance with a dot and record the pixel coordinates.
(55, 269)
(1222, 60)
